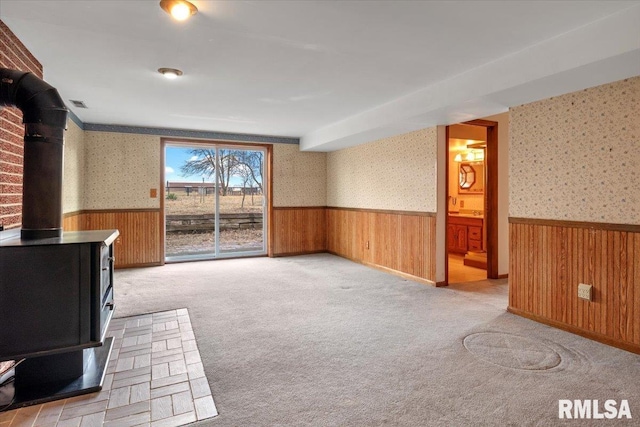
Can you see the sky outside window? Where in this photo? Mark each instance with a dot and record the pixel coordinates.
(176, 157)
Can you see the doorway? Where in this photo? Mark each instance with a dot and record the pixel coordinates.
(215, 200)
(471, 194)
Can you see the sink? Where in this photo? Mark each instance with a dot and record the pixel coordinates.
(467, 214)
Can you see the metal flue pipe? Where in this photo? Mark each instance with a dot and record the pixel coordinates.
(45, 119)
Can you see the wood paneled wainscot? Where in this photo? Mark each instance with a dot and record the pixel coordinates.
(397, 241)
(548, 259)
(299, 230)
(139, 243)
(72, 221)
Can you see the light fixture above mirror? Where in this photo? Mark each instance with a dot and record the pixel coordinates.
(473, 155)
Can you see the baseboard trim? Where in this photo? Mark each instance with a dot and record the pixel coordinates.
(389, 270)
(368, 264)
(288, 254)
(141, 265)
(503, 276)
(630, 347)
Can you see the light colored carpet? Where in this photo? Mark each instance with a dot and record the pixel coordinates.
(318, 340)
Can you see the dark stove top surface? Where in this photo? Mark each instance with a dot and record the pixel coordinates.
(11, 238)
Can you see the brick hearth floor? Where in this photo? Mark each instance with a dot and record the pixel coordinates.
(155, 378)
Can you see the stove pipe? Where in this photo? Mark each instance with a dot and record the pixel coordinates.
(45, 118)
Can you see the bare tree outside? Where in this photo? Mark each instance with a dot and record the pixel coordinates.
(254, 162)
(205, 163)
(244, 173)
(197, 221)
(240, 163)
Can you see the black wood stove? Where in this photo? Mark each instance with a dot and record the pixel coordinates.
(56, 300)
(56, 289)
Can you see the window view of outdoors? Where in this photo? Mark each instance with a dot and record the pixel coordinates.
(190, 200)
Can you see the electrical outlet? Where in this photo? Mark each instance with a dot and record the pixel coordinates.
(584, 291)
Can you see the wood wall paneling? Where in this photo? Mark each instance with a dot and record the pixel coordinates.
(139, 243)
(403, 242)
(72, 221)
(299, 230)
(296, 231)
(398, 241)
(547, 262)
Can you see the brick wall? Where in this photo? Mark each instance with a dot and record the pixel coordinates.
(14, 55)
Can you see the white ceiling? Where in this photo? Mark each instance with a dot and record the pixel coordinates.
(333, 73)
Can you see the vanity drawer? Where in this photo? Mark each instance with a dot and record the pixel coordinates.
(475, 233)
(475, 245)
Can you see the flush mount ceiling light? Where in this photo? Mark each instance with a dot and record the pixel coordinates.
(179, 9)
(170, 73)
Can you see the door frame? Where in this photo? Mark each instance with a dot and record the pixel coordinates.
(491, 198)
(268, 163)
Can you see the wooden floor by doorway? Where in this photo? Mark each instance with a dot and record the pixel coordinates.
(460, 273)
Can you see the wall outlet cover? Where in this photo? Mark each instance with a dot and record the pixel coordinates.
(585, 291)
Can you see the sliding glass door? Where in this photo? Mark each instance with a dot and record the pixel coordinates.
(215, 204)
(242, 203)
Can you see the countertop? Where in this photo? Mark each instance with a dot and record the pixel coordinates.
(466, 215)
(12, 238)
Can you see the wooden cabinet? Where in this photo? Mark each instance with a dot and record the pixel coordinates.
(465, 234)
(457, 235)
(475, 238)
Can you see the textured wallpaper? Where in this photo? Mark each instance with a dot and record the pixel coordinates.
(120, 169)
(396, 173)
(73, 177)
(577, 156)
(299, 178)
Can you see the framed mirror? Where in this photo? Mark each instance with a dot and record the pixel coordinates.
(471, 178)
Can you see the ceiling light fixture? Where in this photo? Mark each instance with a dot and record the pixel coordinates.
(179, 9)
(170, 73)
